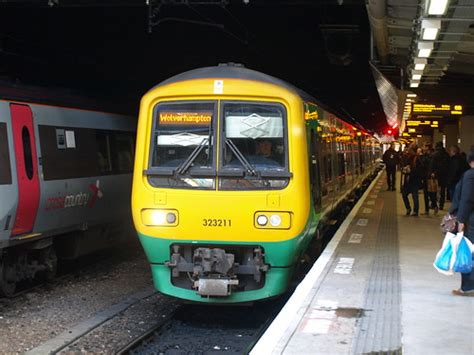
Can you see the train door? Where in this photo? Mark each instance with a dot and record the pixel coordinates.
(26, 167)
(314, 172)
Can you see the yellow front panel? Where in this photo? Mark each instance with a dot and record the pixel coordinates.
(223, 215)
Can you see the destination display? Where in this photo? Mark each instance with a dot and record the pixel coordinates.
(185, 118)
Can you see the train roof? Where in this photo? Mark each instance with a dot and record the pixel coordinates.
(238, 71)
(60, 97)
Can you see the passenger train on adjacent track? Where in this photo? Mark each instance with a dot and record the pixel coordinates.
(65, 183)
(235, 172)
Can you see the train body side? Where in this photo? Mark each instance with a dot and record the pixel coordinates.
(70, 203)
(81, 195)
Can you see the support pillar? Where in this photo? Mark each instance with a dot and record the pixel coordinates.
(466, 133)
(437, 136)
(452, 133)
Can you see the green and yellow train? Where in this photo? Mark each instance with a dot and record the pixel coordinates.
(234, 172)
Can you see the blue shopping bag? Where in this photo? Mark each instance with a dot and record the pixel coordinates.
(463, 261)
(445, 258)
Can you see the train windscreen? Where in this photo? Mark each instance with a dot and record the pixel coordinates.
(182, 153)
(253, 142)
(252, 145)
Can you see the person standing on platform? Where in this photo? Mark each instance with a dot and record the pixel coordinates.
(412, 182)
(390, 158)
(463, 207)
(425, 162)
(439, 170)
(456, 167)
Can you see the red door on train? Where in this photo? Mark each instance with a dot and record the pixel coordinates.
(26, 167)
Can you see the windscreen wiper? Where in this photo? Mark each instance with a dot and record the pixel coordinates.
(245, 163)
(184, 166)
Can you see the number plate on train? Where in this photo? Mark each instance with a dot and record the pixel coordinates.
(216, 222)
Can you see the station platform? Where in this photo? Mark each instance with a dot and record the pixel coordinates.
(374, 289)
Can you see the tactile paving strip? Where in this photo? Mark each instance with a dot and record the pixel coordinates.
(379, 331)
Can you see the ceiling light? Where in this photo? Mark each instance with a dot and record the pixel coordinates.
(424, 53)
(411, 95)
(416, 74)
(430, 29)
(437, 7)
(430, 34)
(424, 49)
(414, 85)
(420, 63)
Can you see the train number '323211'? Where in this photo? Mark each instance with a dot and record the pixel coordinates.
(216, 222)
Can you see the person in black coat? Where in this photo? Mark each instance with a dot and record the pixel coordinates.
(391, 159)
(463, 208)
(412, 182)
(425, 162)
(456, 167)
(439, 169)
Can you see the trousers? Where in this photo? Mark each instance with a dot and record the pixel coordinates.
(413, 190)
(391, 176)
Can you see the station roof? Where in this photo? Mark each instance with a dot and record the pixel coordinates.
(122, 48)
(428, 52)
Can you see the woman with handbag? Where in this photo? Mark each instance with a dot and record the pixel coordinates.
(463, 208)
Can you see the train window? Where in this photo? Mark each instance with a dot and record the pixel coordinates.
(254, 154)
(61, 163)
(28, 158)
(5, 168)
(103, 152)
(123, 152)
(182, 148)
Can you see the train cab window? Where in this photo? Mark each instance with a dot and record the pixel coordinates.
(27, 156)
(254, 154)
(182, 145)
(5, 168)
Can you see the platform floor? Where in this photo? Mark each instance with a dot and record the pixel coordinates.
(374, 290)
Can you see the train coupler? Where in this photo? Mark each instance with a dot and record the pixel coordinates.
(216, 287)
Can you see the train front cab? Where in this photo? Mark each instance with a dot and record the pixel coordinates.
(222, 227)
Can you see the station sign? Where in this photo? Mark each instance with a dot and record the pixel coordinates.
(416, 123)
(437, 109)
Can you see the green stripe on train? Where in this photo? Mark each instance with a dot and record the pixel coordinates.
(282, 256)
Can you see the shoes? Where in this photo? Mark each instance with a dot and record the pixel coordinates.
(408, 212)
(436, 210)
(460, 292)
(414, 214)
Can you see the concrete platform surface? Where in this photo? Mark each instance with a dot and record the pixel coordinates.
(374, 290)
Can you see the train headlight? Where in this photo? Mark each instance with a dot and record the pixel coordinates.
(272, 220)
(164, 218)
(262, 220)
(275, 220)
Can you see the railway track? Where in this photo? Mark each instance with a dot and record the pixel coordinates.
(199, 329)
